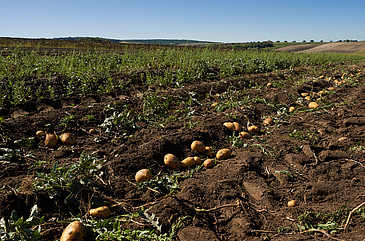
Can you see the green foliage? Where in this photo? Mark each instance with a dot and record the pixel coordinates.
(90, 72)
(304, 135)
(119, 122)
(71, 178)
(66, 120)
(18, 228)
(24, 141)
(169, 183)
(7, 155)
(328, 222)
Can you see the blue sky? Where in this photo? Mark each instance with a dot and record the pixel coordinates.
(223, 21)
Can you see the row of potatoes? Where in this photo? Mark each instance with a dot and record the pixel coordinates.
(77, 231)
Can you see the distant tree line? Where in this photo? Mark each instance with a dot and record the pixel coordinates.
(250, 45)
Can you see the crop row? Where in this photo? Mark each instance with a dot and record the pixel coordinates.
(91, 72)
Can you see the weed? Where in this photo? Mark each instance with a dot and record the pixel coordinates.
(70, 178)
(16, 228)
(27, 142)
(304, 135)
(168, 183)
(66, 120)
(8, 155)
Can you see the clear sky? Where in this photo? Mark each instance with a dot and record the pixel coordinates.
(223, 21)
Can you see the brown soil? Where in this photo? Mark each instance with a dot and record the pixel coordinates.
(245, 196)
(341, 47)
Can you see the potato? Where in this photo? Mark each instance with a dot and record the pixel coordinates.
(223, 154)
(188, 162)
(307, 98)
(40, 134)
(208, 163)
(292, 203)
(208, 149)
(244, 135)
(198, 146)
(143, 175)
(237, 126)
(92, 131)
(51, 140)
(291, 108)
(100, 212)
(342, 138)
(197, 160)
(268, 121)
(172, 161)
(74, 231)
(214, 104)
(313, 105)
(304, 94)
(253, 129)
(68, 139)
(229, 125)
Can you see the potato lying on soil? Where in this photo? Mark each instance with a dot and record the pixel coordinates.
(292, 203)
(291, 108)
(100, 212)
(237, 126)
(143, 175)
(74, 231)
(313, 105)
(230, 126)
(244, 135)
(253, 129)
(92, 131)
(40, 134)
(172, 161)
(268, 121)
(209, 151)
(188, 162)
(197, 160)
(51, 140)
(208, 163)
(68, 138)
(223, 154)
(198, 146)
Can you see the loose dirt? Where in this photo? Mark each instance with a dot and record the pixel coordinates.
(241, 198)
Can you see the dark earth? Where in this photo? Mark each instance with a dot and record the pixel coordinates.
(244, 197)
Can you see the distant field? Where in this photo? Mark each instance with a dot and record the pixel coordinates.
(340, 47)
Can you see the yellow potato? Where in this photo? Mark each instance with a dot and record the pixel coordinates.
(197, 160)
(229, 125)
(188, 162)
(51, 140)
(253, 129)
(291, 108)
(313, 105)
(100, 212)
(92, 131)
(237, 126)
(40, 133)
(292, 203)
(268, 121)
(208, 163)
(172, 161)
(68, 139)
(223, 154)
(143, 175)
(244, 135)
(198, 146)
(74, 231)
